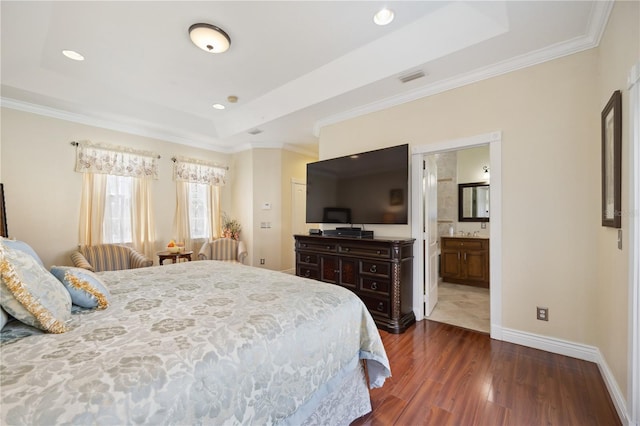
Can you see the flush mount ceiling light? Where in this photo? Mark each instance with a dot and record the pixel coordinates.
(72, 54)
(383, 17)
(209, 38)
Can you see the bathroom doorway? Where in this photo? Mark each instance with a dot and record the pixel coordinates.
(454, 301)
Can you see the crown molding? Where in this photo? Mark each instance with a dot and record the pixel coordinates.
(107, 124)
(597, 24)
(140, 131)
(275, 145)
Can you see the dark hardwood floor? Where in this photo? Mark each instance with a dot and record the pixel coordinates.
(446, 375)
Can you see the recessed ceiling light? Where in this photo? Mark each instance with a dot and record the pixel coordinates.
(72, 54)
(219, 106)
(383, 17)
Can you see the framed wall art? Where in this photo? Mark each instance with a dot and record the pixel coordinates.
(611, 127)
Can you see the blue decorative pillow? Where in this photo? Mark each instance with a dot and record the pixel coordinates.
(84, 286)
(30, 294)
(4, 318)
(22, 246)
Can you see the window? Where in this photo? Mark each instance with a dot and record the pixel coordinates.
(116, 226)
(199, 210)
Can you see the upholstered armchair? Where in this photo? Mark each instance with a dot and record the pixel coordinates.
(226, 249)
(109, 257)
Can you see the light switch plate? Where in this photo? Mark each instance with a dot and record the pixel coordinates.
(620, 239)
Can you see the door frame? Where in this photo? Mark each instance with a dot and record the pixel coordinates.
(294, 182)
(494, 140)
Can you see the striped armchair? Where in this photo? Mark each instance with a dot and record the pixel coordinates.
(225, 249)
(109, 257)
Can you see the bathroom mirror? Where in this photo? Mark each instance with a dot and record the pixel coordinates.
(473, 202)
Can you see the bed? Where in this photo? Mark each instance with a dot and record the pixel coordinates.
(203, 342)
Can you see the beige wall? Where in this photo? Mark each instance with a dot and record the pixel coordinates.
(470, 163)
(242, 204)
(267, 175)
(619, 50)
(555, 253)
(43, 191)
(264, 176)
(548, 115)
(294, 167)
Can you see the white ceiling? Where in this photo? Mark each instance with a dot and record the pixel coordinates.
(294, 65)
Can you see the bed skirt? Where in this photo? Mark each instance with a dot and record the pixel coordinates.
(348, 401)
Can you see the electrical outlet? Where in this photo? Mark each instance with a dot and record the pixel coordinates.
(262, 261)
(542, 313)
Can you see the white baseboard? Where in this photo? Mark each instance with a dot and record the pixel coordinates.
(574, 350)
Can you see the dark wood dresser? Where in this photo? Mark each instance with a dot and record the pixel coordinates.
(379, 271)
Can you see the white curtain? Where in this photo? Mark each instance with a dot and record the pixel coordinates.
(114, 160)
(92, 208)
(214, 210)
(97, 161)
(185, 171)
(143, 220)
(181, 228)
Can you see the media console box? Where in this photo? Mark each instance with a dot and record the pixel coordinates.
(378, 270)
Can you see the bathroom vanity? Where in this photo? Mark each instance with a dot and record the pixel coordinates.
(465, 260)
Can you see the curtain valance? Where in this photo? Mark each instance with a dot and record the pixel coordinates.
(114, 160)
(197, 171)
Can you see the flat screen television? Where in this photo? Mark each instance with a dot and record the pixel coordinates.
(365, 188)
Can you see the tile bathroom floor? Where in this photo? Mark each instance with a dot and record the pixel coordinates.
(462, 305)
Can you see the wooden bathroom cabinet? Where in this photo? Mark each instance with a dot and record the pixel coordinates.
(465, 261)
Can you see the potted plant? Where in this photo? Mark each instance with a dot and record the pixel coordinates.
(230, 227)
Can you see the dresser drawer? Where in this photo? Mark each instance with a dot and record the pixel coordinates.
(324, 247)
(377, 306)
(307, 258)
(382, 252)
(373, 285)
(378, 269)
(307, 272)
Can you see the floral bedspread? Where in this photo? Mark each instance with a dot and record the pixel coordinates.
(201, 342)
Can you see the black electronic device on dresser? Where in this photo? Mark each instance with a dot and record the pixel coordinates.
(379, 271)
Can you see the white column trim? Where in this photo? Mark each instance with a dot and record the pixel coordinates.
(633, 391)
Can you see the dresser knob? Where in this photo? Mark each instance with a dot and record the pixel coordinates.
(374, 285)
(307, 259)
(380, 307)
(373, 269)
(328, 247)
(346, 249)
(378, 252)
(307, 273)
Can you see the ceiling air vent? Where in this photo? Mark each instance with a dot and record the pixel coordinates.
(413, 76)
(255, 132)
